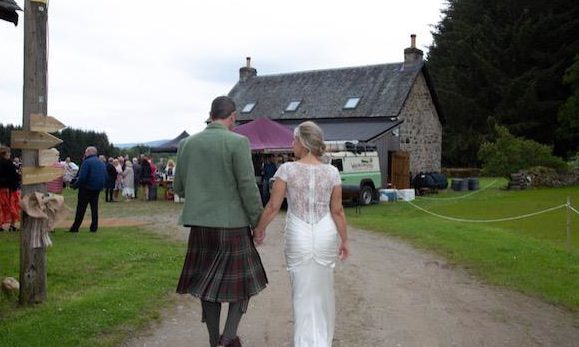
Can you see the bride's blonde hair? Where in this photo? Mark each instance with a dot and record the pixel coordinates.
(311, 137)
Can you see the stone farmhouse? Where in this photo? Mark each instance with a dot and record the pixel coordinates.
(392, 106)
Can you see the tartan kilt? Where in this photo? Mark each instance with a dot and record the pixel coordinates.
(221, 265)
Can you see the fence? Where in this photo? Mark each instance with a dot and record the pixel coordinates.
(567, 205)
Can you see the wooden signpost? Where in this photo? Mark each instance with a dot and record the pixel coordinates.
(45, 124)
(33, 140)
(35, 175)
(33, 260)
(39, 140)
(48, 157)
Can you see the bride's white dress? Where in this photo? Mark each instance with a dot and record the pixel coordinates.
(311, 243)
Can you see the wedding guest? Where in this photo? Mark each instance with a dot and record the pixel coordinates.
(9, 193)
(128, 181)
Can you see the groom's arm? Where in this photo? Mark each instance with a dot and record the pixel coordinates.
(245, 177)
(179, 176)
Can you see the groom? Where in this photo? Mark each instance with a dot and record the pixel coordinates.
(216, 177)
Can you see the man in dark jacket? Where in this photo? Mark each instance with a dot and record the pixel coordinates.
(111, 180)
(136, 175)
(91, 180)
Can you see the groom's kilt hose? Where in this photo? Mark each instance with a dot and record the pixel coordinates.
(221, 265)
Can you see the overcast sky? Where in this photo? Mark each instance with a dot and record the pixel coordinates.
(147, 70)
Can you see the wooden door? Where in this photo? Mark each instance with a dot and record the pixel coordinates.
(401, 170)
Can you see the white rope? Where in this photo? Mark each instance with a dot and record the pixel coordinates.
(487, 220)
(573, 209)
(462, 196)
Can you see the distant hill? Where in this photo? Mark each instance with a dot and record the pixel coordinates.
(149, 144)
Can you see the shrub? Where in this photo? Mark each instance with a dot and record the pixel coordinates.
(510, 154)
(574, 161)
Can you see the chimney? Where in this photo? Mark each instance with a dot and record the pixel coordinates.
(412, 55)
(247, 71)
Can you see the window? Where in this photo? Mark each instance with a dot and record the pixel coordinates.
(338, 164)
(293, 106)
(248, 107)
(351, 103)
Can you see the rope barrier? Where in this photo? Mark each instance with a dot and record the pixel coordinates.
(462, 196)
(486, 220)
(506, 219)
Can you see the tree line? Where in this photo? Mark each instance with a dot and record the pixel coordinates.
(508, 62)
(74, 142)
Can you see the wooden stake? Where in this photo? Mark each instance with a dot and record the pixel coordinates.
(569, 223)
(33, 260)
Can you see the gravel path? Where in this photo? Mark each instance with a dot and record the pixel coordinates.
(388, 294)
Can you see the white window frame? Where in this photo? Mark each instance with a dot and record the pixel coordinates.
(352, 102)
(248, 107)
(293, 105)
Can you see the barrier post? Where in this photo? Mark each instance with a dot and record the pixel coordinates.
(569, 222)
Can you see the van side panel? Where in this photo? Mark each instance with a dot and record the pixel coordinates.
(356, 178)
(355, 168)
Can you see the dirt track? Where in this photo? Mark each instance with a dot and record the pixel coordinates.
(388, 294)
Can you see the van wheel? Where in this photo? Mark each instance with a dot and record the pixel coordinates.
(366, 195)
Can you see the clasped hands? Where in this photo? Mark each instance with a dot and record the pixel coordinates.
(258, 235)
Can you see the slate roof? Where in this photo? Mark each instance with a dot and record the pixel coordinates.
(350, 129)
(323, 93)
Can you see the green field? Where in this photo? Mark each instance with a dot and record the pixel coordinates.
(103, 286)
(100, 287)
(532, 255)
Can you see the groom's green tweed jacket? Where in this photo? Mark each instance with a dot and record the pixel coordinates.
(215, 175)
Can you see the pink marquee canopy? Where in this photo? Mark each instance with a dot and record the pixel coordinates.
(265, 134)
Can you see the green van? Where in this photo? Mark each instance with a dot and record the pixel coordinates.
(360, 173)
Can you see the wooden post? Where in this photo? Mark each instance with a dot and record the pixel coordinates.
(33, 260)
(569, 243)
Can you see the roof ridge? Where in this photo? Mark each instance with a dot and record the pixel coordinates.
(327, 70)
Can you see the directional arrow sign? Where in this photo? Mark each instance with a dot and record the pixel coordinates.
(47, 157)
(47, 124)
(35, 175)
(33, 140)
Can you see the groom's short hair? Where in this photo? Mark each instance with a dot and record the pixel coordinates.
(222, 107)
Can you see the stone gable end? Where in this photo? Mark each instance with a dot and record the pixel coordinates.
(421, 132)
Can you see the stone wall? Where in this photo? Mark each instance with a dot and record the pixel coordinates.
(421, 132)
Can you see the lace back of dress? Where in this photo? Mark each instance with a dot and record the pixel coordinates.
(309, 190)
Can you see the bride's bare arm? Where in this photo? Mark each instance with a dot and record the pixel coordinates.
(339, 217)
(270, 210)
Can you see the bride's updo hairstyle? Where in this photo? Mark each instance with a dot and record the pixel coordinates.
(311, 137)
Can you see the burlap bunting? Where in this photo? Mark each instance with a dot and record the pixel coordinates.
(49, 209)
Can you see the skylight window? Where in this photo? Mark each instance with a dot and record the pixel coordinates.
(293, 106)
(352, 103)
(248, 107)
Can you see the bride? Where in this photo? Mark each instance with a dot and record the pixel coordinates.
(315, 219)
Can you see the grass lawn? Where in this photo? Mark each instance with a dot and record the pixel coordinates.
(103, 286)
(100, 287)
(529, 255)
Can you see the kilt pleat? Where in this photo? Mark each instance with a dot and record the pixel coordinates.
(221, 265)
